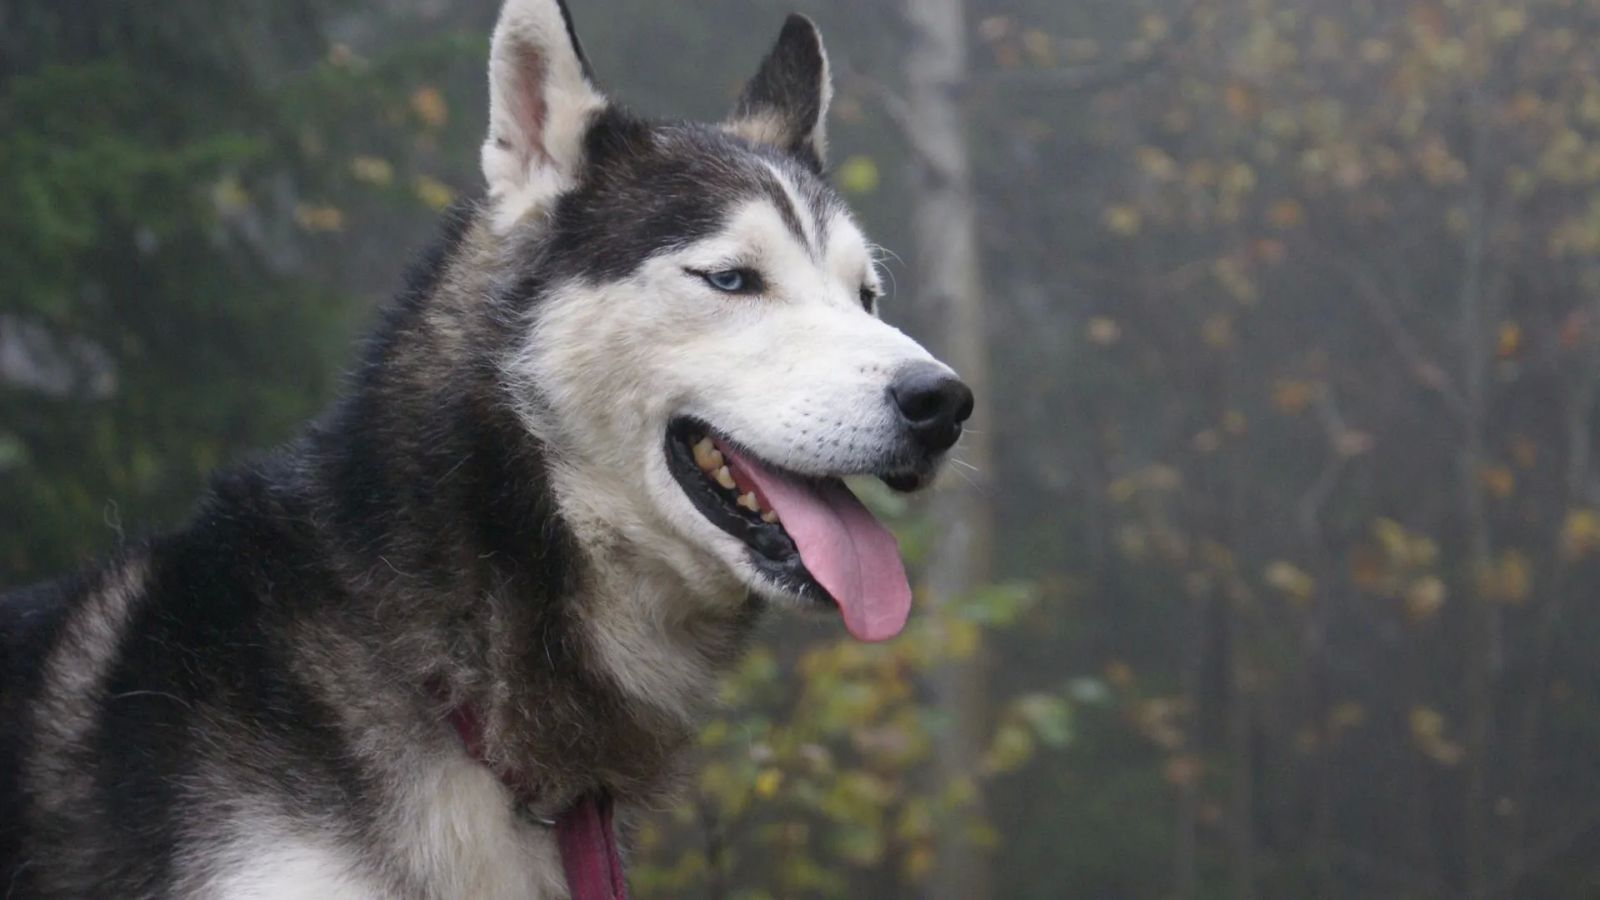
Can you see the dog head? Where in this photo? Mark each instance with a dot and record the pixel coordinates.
(700, 347)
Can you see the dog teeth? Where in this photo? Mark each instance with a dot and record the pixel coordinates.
(711, 462)
(706, 455)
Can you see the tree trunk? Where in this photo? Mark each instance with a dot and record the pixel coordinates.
(1483, 641)
(948, 274)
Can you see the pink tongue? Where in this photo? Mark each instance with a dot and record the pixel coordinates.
(853, 557)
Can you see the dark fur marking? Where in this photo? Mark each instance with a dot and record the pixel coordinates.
(30, 623)
(786, 211)
(577, 45)
(654, 188)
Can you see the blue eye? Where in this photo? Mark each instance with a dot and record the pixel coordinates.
(733, 281)
(729, 280)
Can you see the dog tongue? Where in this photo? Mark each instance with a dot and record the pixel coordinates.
(853, 557)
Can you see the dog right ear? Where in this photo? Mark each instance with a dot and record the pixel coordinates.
(786, 103)
(541, 101)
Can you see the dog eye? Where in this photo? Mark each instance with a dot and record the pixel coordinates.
(867, 296)
(733, 281)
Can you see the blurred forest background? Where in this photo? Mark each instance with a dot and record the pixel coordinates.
(1275, 571)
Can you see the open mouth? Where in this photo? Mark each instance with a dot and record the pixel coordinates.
(810, 537)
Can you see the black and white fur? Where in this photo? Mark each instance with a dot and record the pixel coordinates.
(253, 705)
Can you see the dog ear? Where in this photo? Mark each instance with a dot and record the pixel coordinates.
(786, 103)
(542, 98)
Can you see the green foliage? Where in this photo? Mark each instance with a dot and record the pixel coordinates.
(815, 777)
(152, 341)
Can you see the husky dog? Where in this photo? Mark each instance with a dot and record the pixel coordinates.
(601, 430)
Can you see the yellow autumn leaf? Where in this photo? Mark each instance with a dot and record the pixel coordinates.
(1402, 547)
(1580, 534)
(1499, 481)
(1161, 478)
(1182, 769)
(1346, 715)
(1104, 331)
(1238, 179)
(229, 196)
(316, 218)
(1306, 740)
(1424, 598)
(1154, 27)
(1160, 720)
(1367, 568)
(858, 175)
(1351, 442)
(1286, 214)
(1041, 48)
(1231, 273)
(1375, 51)
(1445, 753)
(1217, 331)
(918, 862)
(1080, 50)
(1242, 100)
(433, 192)
(1119, 674)
(1427, 732)
(993, 28)
(1291, 580)
(1269, 250)
(372, 170)
(958, 792)
(1291, 397)
(1122, 490)
(1011, 747)
(1509, 22)
(1525, 452)
(1155, 162)
(1508, 579)
(1123, 220)
(768, 782)
(429, 105)
(1516, 577)
(1392, 537)
(1508, 339)
(1426, 722)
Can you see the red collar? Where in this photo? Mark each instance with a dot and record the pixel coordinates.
(584, 832)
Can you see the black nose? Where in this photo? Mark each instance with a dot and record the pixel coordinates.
(933, 403)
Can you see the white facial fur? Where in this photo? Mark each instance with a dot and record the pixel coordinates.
(799, 374)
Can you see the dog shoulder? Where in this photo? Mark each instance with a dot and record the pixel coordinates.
(56, 641)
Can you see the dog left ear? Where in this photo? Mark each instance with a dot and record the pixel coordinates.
(786, 103)
(542, 100)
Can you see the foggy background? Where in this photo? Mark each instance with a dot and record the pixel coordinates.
(1272, 568)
